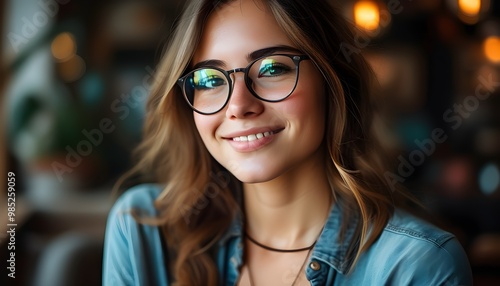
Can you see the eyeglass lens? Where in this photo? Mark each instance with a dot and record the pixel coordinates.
(271, 78)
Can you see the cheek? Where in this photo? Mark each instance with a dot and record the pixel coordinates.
(307, 105)
(309, 113)
(205, 126)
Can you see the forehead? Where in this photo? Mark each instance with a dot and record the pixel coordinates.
(238, 28)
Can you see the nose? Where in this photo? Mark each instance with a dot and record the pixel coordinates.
(242, 103)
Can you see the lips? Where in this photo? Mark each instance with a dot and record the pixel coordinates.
(253, 137)
(252, 134)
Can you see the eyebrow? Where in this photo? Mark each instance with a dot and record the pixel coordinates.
(272, 50)
(250, 57)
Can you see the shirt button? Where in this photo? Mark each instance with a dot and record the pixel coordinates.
(315, 266)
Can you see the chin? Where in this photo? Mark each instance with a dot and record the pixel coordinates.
(253, 177)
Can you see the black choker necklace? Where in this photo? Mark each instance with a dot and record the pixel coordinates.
(277, 249)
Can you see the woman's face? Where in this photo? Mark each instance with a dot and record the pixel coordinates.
(295, 126)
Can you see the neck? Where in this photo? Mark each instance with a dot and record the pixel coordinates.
(289, 211)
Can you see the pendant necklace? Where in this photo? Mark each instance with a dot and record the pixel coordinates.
(277, 249)
(309, 249)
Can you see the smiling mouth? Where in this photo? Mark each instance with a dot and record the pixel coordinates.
(253, 137)
(256, 136)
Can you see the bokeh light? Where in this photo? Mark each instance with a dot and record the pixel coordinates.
(491, 49)
(470, 7)
(489, 178)
(63, 47)
(72, 69)
(367, 15)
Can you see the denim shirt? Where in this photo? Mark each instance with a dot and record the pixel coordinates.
(409, 251)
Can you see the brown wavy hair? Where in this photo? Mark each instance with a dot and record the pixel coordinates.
(198, 203)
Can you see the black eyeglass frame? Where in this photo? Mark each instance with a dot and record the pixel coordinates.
(295, 58)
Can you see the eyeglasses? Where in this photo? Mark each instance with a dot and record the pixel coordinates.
(270, 78)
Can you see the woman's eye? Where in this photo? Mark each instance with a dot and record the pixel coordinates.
(273, 69)
(209, 82)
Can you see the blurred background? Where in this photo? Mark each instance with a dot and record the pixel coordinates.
(75, 76)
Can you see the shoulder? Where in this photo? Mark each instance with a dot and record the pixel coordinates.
(133, 251)
(140, 198)
(417, 252)
(136, 202)
(403, 225)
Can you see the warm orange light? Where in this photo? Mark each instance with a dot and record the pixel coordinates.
(470, 7)
(63, 46)
(366, 15)
(491, 48)
(72, 69)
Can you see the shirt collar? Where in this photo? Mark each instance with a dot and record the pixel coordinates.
(329, 248)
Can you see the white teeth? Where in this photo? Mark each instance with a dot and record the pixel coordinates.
(252, 137)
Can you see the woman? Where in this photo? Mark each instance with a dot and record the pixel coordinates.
(258, 139)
